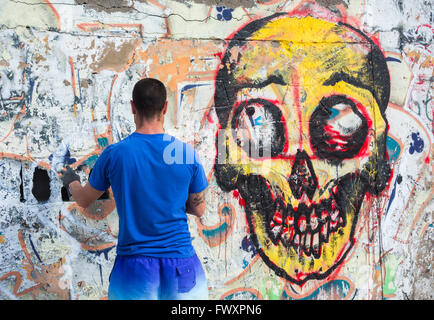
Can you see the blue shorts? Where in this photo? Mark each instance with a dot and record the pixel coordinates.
(138, 277)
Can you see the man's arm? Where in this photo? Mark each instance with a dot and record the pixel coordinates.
(84, 196)
(196, 204)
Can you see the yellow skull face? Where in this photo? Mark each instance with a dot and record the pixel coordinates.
(303, 137)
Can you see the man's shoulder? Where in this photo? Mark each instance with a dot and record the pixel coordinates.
(115, 147)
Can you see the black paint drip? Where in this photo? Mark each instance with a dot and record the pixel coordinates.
(41, 185)
(22, 186)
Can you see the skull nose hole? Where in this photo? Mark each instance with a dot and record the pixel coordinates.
(302, 178)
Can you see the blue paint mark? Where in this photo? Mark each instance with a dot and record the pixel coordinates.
(417, 144)
(335, 113)
(225, 14)
(102, 142)
(392, 196)
(303, 97)
(66, 159)
(247, 245)
(258, 121)
(244, 295)
(32, 84)
(34, 250)
(226, 210)
(98, 253)
(393, 149)
(245, 263)
(188, 87)
(251, 121)
(90, 162)
(393, 59)
(214, 232)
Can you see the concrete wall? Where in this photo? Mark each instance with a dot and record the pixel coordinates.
(66, 73)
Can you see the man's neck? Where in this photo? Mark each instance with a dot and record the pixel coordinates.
(149, 131)
(154, 127)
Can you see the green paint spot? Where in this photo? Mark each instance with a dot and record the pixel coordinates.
(102, 142)
(271, 289)
(391, 264)
(90, 162)
(215, 232)
(393, 149)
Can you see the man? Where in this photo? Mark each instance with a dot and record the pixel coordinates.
(155, 257)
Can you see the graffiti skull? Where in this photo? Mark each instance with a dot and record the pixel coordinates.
(302, 137)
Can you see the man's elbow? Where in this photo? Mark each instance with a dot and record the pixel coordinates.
(84, 204)
(199, 210)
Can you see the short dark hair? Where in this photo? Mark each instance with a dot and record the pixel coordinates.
(149, 97)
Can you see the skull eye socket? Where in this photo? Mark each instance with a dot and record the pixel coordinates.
(259, 128)
(338, 130)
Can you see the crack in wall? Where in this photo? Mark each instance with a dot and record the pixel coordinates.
(146, 14)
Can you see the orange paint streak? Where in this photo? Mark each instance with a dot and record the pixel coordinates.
(228, 219)
(16, 274)
(256, 258)
(91, 27)
(412, 192)
(247, 13)
(157, 4)
(21, 113)
(103, 207)
(18, 98)
(206, 113)
(44, 165)
(208, 14)
(74, 85)
(168, 32)
(110, 96)
(251, 290)
(83, 159)
(14, 156)
(98, 247)
(27, 150)
(18, 281)
(321, 283)
(425, 227)
(24, 247)
(56, 14)
(418, 214)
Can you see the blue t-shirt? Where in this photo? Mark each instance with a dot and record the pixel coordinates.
(151, 176)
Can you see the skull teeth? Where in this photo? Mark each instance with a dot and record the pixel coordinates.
(306, 228)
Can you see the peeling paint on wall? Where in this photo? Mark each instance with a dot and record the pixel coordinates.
(315, 101)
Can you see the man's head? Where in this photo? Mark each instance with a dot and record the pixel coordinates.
(301, 104)
(149, 99)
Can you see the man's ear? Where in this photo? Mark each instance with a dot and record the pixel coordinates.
(165, 108)
(133, 107)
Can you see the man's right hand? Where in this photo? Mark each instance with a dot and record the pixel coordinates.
(68, 175)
